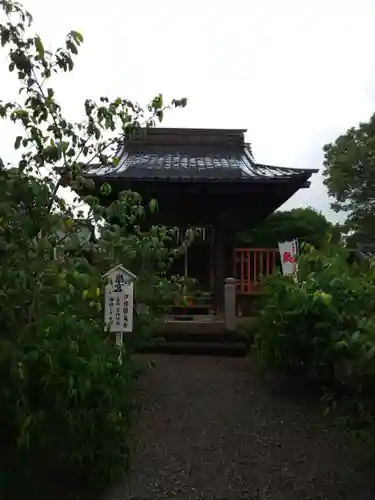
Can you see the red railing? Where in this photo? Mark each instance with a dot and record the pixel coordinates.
(251, 265)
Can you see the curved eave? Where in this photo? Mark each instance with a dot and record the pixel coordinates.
(300, 177)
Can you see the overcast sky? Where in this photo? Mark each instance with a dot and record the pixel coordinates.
(294, 73)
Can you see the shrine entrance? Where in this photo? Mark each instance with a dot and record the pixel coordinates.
(197, 261)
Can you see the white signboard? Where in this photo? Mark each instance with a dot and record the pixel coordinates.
(119, 302)
(288, 256)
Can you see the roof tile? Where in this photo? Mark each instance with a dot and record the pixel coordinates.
(200, 161)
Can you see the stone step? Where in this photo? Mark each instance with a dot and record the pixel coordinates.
(208, 324)
(206, 337)
(232, 349)
(192, 325)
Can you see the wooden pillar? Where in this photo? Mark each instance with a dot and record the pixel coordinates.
(219, 263)
(230, 243)
(212, 259)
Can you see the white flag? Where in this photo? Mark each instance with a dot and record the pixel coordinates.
(288, 256)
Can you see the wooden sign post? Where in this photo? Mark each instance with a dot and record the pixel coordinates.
(119, 302)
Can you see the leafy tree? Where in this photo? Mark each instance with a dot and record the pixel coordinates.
(306, 224)
(66, 402)
(349, 174)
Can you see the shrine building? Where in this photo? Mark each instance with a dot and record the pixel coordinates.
(207, 178)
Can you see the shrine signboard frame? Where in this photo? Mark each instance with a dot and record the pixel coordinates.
(119, 302)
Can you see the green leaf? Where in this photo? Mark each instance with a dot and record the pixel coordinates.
(370, 353)
(88, 183)
(341, 344)
(64, 146)
(17, 142)
(78, 38)
(39, 46)
(51, 153)
(179, 103)
(5, 36)
(153, 205)
(71, 47)
(24, 437)
(157, 103)
(106, 189)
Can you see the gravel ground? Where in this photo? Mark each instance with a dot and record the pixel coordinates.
(210, 429)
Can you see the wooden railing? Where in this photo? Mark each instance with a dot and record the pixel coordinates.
(251, 265)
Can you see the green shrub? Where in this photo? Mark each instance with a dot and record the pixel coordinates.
(66, 410)
(285, 338)
(321, 326)
(66, 402)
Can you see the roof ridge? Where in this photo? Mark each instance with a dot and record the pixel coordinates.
(186, 130)
(188, 137)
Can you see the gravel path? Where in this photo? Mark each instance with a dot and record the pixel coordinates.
(210, 429)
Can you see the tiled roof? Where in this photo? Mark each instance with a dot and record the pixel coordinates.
(202, 159)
